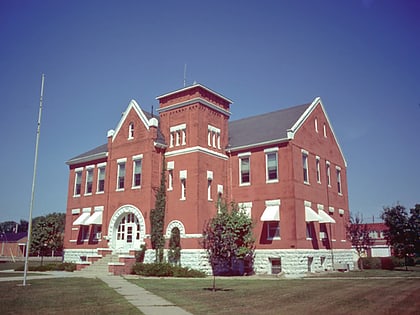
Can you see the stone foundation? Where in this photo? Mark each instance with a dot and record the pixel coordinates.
(293, 262)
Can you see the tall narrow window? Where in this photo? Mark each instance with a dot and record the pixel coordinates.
(137, 172)
(328, 169)
(244, 170)
(183, 189)
(209, 189)
(338, 170)
(271, 166)
(78, 182)
(131, 131)
(101, 179)
(170, 179)
(305, 167)
(121, 176)
(89, 181)
(316, 124)
(325, 130)
(318, 170)
(183, 177)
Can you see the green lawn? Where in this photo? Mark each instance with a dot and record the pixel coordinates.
(62, 296)
(282, 296)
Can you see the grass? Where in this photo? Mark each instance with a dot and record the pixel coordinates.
(63, 296)
(289, 296)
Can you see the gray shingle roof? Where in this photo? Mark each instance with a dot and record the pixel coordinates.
(265, 128)
(102, 150)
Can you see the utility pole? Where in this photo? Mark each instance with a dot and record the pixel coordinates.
(28, 242)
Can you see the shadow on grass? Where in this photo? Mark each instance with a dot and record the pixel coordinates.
(217, 289)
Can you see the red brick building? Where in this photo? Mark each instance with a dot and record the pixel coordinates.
(285, 169)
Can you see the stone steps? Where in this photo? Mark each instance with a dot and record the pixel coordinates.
(99, 267)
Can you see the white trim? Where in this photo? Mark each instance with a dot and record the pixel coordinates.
(209, 175)
(195, 150)
(213, 129)
(192, 87)
(220, 189)
(137, 157)
(274, 149)
(170, 165)
(122, 160)
(132, 105)
(75, 211)
(79, 169)
(244, 154)
(331, 209)
(99, 165)
(183, 174)
(317, 101)
(178, 127)
(200, 100)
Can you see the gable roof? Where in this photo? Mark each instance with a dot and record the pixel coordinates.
(12, 237)
(264, 129)
(274, 127)
(102, 150)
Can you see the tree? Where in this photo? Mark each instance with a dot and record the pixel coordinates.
(8, 227)
(157, 218)
(47, 234)
(174, 253)
(403, 231)
(228, 239)
(358, 234)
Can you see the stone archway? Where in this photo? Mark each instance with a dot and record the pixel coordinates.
(126, 229)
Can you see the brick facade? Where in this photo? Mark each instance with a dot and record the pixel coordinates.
(203, 153)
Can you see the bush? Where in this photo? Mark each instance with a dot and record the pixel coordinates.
(140, 254)
(371, 262)
(165, 270)
(70, 267)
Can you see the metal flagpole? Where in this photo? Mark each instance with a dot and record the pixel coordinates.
(28, 242)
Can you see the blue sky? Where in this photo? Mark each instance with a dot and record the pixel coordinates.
(361, 57)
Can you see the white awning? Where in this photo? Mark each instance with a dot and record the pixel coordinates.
(324, 217)
(82, 219)
(96, 218)
(311, 215)
(271, 213)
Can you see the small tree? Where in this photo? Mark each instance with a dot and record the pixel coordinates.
(402, 233)
(157, 218)
(358, 234)
(47, 234)
(228, 239)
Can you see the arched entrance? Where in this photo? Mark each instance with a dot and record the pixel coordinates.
(126, 229)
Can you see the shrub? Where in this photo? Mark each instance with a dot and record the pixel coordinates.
(371, 262)
(140, 254)
(165, 270)
(70, 267)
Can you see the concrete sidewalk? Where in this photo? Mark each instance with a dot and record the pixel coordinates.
(146, 302)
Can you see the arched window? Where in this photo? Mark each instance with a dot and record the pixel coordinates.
(131, 131)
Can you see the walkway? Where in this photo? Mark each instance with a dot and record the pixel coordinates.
(146, 302)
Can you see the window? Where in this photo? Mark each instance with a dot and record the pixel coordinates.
(78, 182)
(84, 232)
(131, 131)
(213, 137)
(316, 124)
(305, 167)
(178, 135)
(325, 130)
(137, 162)
(244, 170)
(273, 230)
(318, 170)
(121, 176)
(271, 166)
(275, 265)
(338, 172)
(183, 177)
(209, 189)
(328, 174)
(170, 179)
(101, 179)
(310, 262)
(310, 229)
(89, 180)
(183, 188)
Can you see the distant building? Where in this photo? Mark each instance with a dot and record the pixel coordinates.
(379, 247)
(13, 244)
(285, 169)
